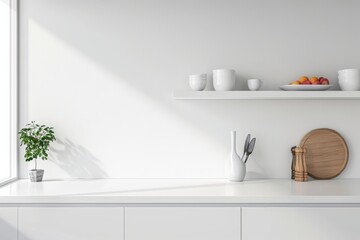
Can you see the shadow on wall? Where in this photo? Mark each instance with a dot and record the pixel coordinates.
(69, 156)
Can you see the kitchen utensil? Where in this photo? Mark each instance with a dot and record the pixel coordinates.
(293, 162)
(300, 174)
(326, 153)
(349, 79)
(305, 87)
(246, 145)
(254, 84)
(250, 149)
(224, 79)
(198, 82)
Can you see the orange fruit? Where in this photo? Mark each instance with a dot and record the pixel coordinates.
(314, 79)
(295, 83)
(303, 79)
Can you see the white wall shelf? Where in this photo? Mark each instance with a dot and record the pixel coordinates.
(267, 95)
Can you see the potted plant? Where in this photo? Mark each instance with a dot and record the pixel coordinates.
(37, 139)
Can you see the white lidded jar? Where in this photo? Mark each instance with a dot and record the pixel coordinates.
(237, 169)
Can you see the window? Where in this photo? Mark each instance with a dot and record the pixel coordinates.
(8, 90)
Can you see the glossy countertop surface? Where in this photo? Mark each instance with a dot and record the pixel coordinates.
(181, 191)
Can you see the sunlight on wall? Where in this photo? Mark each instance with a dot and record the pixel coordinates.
(127, 133)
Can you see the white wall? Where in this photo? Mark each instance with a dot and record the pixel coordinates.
(102, 73)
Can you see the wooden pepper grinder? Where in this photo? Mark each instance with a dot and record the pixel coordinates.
(300, 165)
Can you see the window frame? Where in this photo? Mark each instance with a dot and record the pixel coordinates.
(13, 93)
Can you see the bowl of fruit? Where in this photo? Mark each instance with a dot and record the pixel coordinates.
(308, 84)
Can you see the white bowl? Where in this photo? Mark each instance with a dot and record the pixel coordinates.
(254, 84)
(197, 83)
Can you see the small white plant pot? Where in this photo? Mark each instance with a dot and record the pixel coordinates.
(36, 175)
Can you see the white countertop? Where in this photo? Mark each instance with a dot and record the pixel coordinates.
(181, 191)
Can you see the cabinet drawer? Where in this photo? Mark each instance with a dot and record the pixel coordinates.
(182, 223)
(8, 223)
(70, 223)
(299, 223)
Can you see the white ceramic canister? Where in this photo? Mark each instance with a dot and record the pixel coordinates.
(224, 79)
(349, 79)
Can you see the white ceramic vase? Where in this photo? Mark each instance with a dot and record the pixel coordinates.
(237, 169)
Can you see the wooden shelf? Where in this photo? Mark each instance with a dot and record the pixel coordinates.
(266, 95)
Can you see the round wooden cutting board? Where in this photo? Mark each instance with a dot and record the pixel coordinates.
(326, 153)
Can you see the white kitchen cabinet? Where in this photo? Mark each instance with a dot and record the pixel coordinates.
(299, 223)
(71, 223)
(182, 223)
(8, 223)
